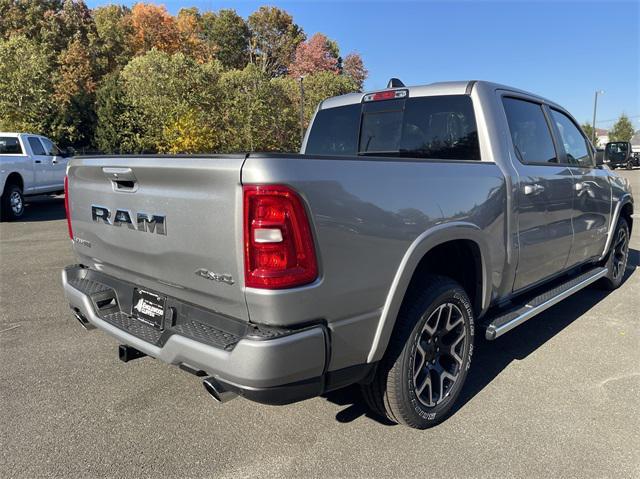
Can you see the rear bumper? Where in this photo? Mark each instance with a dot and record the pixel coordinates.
(275, 366)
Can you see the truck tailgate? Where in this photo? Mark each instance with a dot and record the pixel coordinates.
(191, 250)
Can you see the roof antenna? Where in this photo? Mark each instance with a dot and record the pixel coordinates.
(395, 83)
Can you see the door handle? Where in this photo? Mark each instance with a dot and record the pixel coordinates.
(533, 189)
(54, 161)
(37, 161)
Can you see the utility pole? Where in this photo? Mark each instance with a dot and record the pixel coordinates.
(301, 109)
(595, 107)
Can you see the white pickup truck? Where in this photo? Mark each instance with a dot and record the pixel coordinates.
(29, 165)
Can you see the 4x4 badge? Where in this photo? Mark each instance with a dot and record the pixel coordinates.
(221, 278)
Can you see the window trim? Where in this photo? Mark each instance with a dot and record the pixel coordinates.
(561, 143)
(542, 105)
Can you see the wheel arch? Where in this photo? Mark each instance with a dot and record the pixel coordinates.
(626, 212)
(624, 209)
(412, 264)
(14, 178)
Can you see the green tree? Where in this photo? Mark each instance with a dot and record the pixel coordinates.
(588, 130)
(26, 91)
(114, 37)
(622, 129)
(162, 88)
(317, 87)
(274, 39)
(228, 35)
(257, 112)
(73, 21)
(118, 128)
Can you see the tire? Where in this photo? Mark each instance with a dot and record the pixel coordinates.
(617, 258)
(12, 203)
(405, 388)
(629, 165)
(612, 167)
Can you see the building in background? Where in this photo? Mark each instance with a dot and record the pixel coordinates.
(635, 142)
(602, 136)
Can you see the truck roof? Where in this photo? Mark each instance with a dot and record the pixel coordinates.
(16, 134)
(431, 89)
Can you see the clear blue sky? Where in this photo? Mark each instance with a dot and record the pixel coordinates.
(561, 50)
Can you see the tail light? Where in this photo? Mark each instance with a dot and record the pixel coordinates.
(66, 206)
(278, 246)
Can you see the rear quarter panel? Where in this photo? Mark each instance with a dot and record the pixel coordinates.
(366, 214)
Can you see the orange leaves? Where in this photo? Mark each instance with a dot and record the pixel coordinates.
(154, 27)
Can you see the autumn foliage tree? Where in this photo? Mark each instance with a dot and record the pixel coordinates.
(153, 27)
(73, 95)
(137, 79)
(353, 67)
(314, 56)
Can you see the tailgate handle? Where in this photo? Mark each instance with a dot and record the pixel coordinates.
(123, 179)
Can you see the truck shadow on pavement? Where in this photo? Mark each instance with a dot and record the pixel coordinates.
(490, 358)
(43, 208)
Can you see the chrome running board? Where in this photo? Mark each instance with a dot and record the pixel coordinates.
(507, 321)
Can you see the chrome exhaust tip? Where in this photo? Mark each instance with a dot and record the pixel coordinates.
(218, 391)
(84, 322)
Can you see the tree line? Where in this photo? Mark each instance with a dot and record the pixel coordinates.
(119, 79)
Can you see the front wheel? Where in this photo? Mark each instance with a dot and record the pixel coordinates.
(630, 165)
(616, 261)
(429, 354)
(12, 203)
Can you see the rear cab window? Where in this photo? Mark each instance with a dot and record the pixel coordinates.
(10, 145)
(431, 127)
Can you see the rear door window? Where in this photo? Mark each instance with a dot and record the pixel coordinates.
(10, 145)
(530, 132)
(36, 146)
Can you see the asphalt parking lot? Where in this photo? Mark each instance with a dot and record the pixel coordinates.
(557, 397)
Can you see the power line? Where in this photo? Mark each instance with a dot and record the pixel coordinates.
(616, 119)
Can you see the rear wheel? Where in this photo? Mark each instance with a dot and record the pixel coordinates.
(630, 165)
(618, 257)
(426, 363)
(12, 203)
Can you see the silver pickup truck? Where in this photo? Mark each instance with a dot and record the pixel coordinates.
(29, 165)
(413, 218)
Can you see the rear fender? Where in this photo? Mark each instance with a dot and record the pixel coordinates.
(431, 238)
